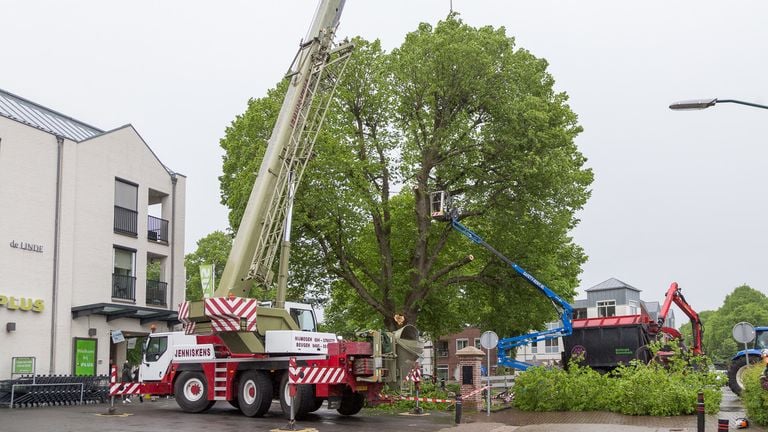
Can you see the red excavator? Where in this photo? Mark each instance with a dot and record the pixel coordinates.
(674, 294)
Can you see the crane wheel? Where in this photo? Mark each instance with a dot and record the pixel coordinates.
(305, 398)
(254, 393)
(191, 391)
(351, 403)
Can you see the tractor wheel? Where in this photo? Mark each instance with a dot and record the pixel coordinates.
(254, 393)
(191, 390)
(351, 403)
(305, 398)
(736, 372)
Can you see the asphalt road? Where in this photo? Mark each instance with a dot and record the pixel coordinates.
(165, 415)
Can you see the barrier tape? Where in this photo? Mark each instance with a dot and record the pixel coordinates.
(434, 400)
(475, 392)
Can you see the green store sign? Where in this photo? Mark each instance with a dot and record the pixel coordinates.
(85, 356)
(23, 366)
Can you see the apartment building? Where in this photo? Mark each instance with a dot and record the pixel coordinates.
(91, 241)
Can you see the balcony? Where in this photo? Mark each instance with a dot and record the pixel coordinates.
(123, 287)
(156, 293)
(157, 229)
(126, 221)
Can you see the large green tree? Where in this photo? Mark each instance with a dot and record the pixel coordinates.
(211, 249)
(454, 108)
(744, 304)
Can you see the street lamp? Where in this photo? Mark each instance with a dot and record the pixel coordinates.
(698, 104)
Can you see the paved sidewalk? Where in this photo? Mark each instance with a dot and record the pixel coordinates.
(519, 421)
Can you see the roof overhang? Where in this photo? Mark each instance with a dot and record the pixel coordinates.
(113, 311)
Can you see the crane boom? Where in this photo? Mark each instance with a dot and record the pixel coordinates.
(265, 225)
(287, 152)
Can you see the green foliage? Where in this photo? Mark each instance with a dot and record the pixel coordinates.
(635, 389)
(754, 396)
(154, 270)
(211, 249)
(454, 108)
(134, 355)
(743, 304)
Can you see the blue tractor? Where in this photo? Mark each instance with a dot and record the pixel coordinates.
(739, 361)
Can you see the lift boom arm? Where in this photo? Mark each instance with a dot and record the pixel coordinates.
(564, 309)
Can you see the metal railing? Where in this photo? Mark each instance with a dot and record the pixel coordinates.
(126, 221)
(123, 287)
(157, 229)
(156, 293)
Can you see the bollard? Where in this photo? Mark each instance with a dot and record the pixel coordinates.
(722, 425)
(700, 412)
(458, 409)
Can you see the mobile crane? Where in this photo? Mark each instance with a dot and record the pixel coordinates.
(243, 351)
(442, 209)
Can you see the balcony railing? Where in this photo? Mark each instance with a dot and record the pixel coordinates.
(156, 293)
(123, 287)
(125, 221)
(157, 229)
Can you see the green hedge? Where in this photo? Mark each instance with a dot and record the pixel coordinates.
(754, 397)
(636, 389)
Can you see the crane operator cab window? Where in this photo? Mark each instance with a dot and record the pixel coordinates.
(154, 348)
(303, 315)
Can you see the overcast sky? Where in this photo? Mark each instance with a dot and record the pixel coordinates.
(678, 196)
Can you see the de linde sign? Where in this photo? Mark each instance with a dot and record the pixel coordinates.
(27, 246)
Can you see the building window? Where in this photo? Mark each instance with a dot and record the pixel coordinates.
(633, 307)
(442, 372)
(123, 279)
(157, 289)
(461, 343)
(606, 308)
(551, 346)
(477, 343)
(580, 313)
(442, 349)
(126, 202)
(534, 347)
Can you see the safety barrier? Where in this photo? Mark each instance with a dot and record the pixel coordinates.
(51, 390)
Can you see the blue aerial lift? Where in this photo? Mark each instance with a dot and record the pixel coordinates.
(441, 209)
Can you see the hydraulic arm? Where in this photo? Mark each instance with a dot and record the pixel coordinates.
(564, 309)
(675, 295)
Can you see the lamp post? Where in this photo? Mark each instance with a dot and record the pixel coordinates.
(698, 104)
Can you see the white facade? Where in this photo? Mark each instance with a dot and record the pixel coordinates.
(59, 237)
